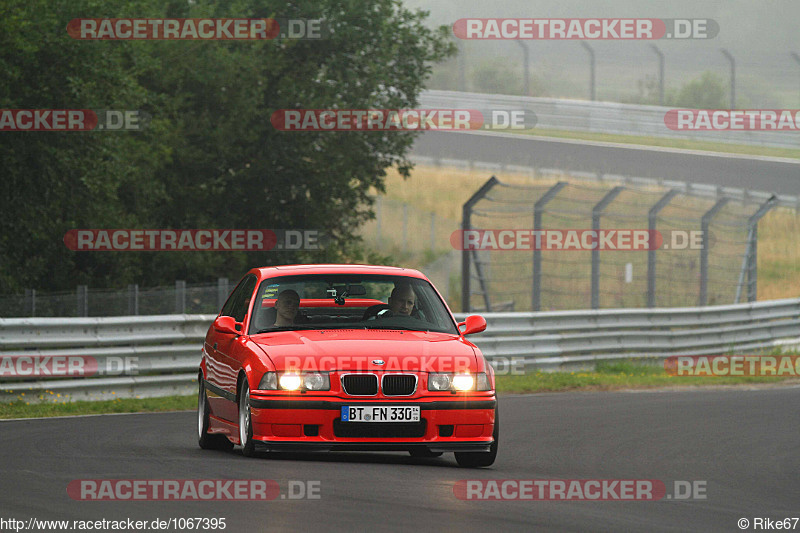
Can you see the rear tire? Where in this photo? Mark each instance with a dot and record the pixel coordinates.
(206, 440)
(246, 421)
(482, 459)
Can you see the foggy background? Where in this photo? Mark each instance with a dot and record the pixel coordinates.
(759, 34)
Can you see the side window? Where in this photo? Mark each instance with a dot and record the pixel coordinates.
(226, 309)
(232, 304)
(242, 302)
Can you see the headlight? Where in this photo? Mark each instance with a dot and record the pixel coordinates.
(438, 381)
(458, 382)
(315, 381)
(269, 381)
(462, 382)
(290, 381)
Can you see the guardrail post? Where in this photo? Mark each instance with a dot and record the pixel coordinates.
(752, 265)
(82, 295)
(222, 291)
(180, 297)
(29, 304)
(538, 208)
(466, 224)
(597, 210)
(526, 87)
(651, 252)
(705, 222)
(660, 73)
(592, 85)
(133, 299)
(730, 58)
(462, 67)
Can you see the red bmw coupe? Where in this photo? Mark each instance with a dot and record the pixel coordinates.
(345, 357)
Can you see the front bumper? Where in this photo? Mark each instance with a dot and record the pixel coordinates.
(313, 423)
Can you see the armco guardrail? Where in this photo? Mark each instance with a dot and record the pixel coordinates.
(599, 117)
(131, 356)
(166, 349)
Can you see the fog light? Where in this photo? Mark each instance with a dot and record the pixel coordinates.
(463, 382)
(291, 382)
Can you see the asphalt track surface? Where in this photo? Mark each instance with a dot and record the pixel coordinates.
(745, 444)
(778, 175)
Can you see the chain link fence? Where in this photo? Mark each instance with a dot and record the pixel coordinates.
(708, 255)
(205, 298)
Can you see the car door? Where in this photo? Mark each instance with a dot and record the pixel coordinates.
(223, 366)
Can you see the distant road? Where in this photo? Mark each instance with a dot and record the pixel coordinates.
(779, 175)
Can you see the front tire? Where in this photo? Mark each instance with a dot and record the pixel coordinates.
(482, 459)
(246, 421)
(206, 440)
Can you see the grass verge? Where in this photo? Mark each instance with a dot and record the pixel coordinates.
(21, 409)
(616, 376)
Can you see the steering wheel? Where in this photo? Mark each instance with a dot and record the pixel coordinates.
(372, 312)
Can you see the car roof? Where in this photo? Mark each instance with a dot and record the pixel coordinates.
(293, 270)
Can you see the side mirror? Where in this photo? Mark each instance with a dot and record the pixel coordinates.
(473, 324)
(226, 324)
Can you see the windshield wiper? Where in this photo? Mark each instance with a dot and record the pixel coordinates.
(397, 327)
(287, 328)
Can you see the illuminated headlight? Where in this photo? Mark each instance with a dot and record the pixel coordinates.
(291, 381)
(462, 382)
(439, 381)
(269, 381)
(458, 382)
(307, 381)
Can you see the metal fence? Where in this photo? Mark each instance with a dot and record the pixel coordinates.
(85, 301)
(166, 350)
(600, 117)
(722, 270)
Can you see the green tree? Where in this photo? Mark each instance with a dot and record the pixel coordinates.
(706, 92)
(210, 157)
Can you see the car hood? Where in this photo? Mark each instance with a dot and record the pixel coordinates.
(359, 350)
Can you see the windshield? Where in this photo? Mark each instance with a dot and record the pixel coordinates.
(345, 301)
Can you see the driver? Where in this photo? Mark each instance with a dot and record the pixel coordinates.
(287, 305)
(402, 300)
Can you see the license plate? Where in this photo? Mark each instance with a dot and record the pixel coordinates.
(380, 413)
